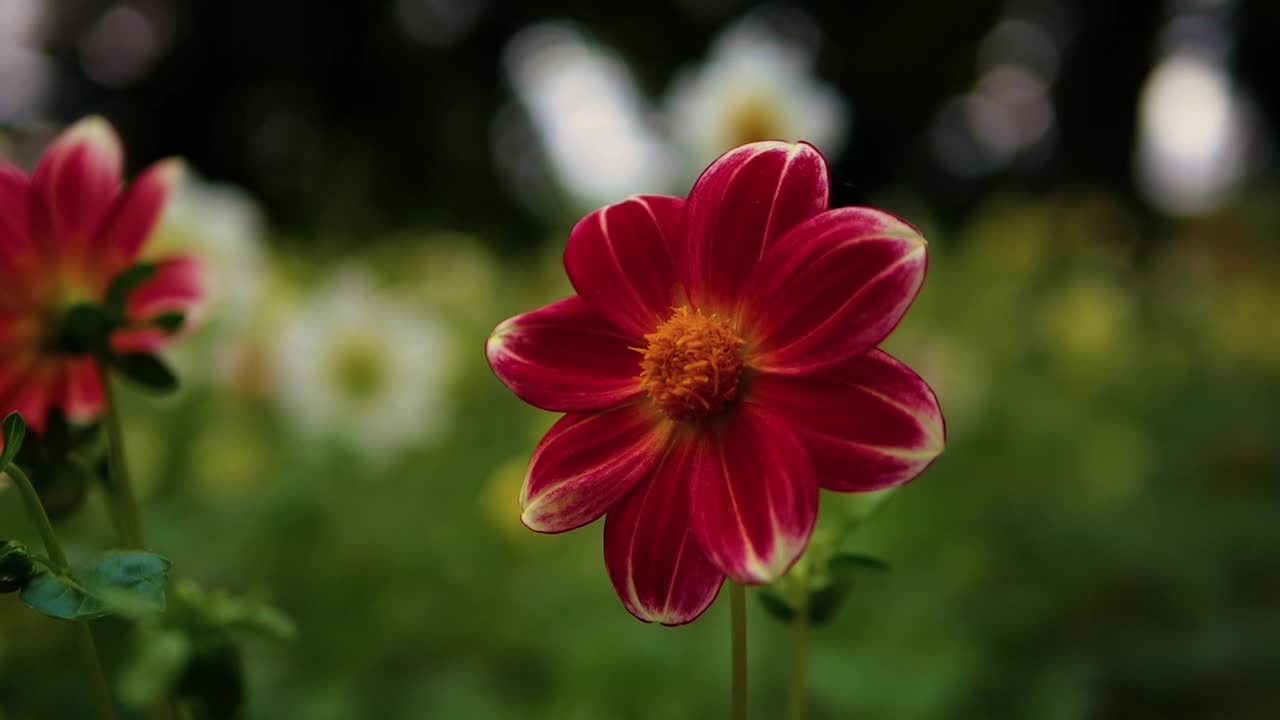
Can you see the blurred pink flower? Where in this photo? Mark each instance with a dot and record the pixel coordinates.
(717, 366)
(66, 232)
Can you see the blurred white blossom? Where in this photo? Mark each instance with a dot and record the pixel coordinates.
(358, 366)
(222, 226)
(756, 85)
(588, 115)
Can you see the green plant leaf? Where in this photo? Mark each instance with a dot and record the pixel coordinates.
(15, 430)
(170, 322)
(86, 328)
(146, 370)
(842, 564)
(128, 583)
(158, 662)
(775, 605)
(118, 291)
(16, 566)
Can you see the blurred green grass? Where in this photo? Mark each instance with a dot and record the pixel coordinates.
(1099, 540)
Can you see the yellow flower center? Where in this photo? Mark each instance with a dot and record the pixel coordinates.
(359, 371)
(692, 364)
(753, 119)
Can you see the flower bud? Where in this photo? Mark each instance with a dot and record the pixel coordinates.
(16, 567)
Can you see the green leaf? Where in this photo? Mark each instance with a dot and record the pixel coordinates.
(221, 610)
(86, 328)
(128, 583)
(170, 322)
(843, 564)
(158, 662)
(776, 605)
(15, 431)
(146, 370)
(16, 567)
(118, 291)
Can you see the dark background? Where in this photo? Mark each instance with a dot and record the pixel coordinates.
(297, 100)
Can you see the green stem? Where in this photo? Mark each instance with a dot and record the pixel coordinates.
(84, 636)
(121, 485)
(89, 651)
(797, 707)
(38, 517)
(122, 494)
(738, 612)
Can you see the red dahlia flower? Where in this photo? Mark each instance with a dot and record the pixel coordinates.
(66, 232)
(717, 367)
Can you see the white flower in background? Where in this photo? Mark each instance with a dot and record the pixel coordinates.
(221, 225)
(756, 85)
(588, 114)
(355, 364)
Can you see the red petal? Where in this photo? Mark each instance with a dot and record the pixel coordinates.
(619, 259)
(82, 398)
(650, 549)
(19, 261)
(565, 358)
(832, 289)
(73, 188)
(585, 463)
(15, 231)
(755, 499)
(135, 215)
(176, 286)
(139, 340)
(740, 206)
(868, 423)
(28, 388)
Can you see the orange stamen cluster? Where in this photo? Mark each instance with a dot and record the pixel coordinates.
(692, 364)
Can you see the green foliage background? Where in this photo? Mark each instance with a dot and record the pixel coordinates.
(1098, 541)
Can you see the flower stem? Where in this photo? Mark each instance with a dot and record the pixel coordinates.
(84, 636)
(122, 494)
(738, 612)
(121, 486)
(797, 707)
(38, 517)
(89, 652)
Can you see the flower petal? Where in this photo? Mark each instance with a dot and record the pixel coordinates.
(653, 556)
(832, 289)
(585, 463)
(135, 214)
(19, 259)
(619, 259)
(740, 206)
(176, 286)
(15, 233)
(28, 387)
(81, 397)
(74, 186)
(564, 357)
(755, 499)
(868, 423)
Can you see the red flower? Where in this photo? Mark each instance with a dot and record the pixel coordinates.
(717, 367)
(66, 232)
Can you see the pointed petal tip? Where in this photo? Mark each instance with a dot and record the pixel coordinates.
(171, 170)
(497, 338)
(94, 131)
